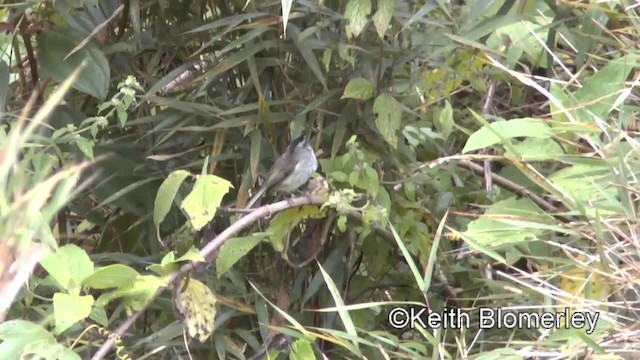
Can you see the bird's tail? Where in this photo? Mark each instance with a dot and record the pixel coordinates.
(255, 197)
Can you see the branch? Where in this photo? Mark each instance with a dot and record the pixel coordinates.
(206, 252)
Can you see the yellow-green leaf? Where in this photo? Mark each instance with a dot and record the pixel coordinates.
(234, 249)
(165, 196)
(382, 17)
(201, 204)
(69, 309)
(358, 88)
(388, 121)
(356, 12)
(197, 304)
(490, 135)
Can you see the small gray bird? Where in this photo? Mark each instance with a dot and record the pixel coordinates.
(290, 171)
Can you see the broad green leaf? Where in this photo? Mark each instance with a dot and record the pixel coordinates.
(356, 13)
(169, 262)
(86, 146)
(54, 46)
(371, 182)
(166, 194)
(137, 295)
(99, 315)
(358, 88)
(170, 258)
(301, 350)
(192, 254)
(535, 149)
(43, 350)
(282, 223)
(69, 309)
(111, 276)
(586, 183)
(509, 221)
(16, 335)
(234, 249)
(525, 127)
(205, 197)
(601, 90)
(68, 266)
(382, 17)
(56, 266)
(522, 41)
(388, 120)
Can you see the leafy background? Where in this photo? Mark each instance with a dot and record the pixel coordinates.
(479, 154)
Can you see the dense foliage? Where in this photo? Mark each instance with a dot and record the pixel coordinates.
(476, 156)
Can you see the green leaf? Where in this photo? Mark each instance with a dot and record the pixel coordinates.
(201, 204)
(444, 120)
(358, 88)
(69, 309)
(339, 176)
(372, 181)
(382, 17)
(534, 149)
(166, 194)
(197, 304)
(489, 135)
(509, 221)
(601, 90)
(41, 350)
(301, 350)
(56, 266)
(54, 46)
(169, 262)
(86, 146)
(68, 266)
(388, 120)
(16, 335)
(99, 315)
(111, 276)
(192, 254)
(122, 116)
(282, 223)
(170, 258)
(137, 295)
(234, 250)
(356, 12)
